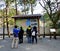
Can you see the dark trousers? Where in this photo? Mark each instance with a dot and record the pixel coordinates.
(21, 40)
(34, 37)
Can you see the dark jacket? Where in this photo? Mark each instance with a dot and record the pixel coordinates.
(21, 32)
(28, 31)
(35, 29)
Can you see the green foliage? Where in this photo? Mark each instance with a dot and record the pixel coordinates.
(58, 31)
(12, 12)
(47, 20)
(27, 3)
(51, 8)
(58, 25)
(46, 17)
(1, 13)
(26, 9)
(32, 1)
(11, 21)
(24, 4)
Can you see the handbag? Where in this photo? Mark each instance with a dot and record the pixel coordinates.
(33, 33)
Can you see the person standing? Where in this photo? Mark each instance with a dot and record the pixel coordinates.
(28, 31)
(21, 32)
(15, 37)
(34, 34)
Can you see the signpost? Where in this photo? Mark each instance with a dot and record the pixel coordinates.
(53, 31)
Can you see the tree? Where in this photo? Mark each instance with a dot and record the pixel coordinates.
(24, 3)
(14, 2)
(52, 9)
(2, 16)
(16, 6)
(27, 4)
(7, 3)
(32, 3)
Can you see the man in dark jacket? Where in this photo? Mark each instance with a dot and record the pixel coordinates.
(21, 32)
(28, 31)
(34, 34)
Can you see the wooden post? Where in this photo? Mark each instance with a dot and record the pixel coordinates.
(44, 27)
(38, 27)
(54, 35)
(3, 26)
(50, 34)
(14, 21)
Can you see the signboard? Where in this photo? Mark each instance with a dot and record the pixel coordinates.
(21, 22)
(27, 22)
(34, 22)
(52, 30)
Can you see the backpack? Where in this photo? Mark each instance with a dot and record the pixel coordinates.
(33, 33)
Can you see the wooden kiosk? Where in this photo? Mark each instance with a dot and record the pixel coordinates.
(26, 20)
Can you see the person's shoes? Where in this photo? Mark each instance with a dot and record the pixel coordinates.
(12, 47)
(20, 42)
(16, 47)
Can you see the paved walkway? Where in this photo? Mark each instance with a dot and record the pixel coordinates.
(44, 44)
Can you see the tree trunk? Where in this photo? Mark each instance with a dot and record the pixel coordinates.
(7, 19)
(3, 26)
(31, 8)
(24, 9)
(16, 7)
(3, 29)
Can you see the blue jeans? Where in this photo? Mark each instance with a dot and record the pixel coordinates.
(29, 39)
